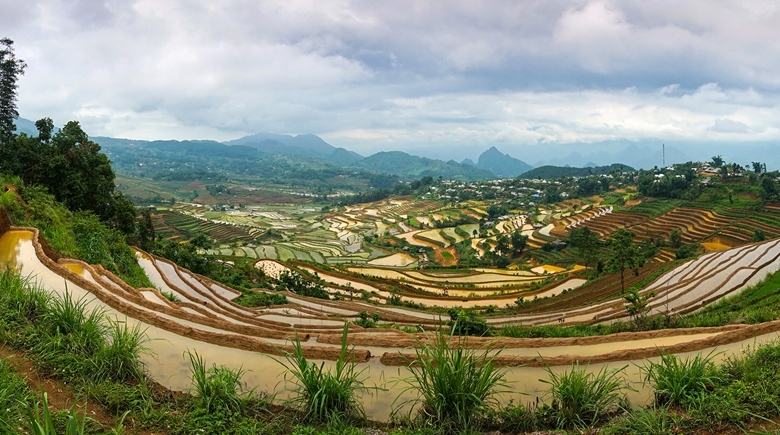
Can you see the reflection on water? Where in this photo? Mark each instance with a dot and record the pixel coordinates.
(168, 362)
(74, 267)
(9, 249)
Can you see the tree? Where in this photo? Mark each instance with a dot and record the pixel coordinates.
(518, 242)
(10, 70)
(675, 238)
(768, 189)
(717, 161)
(146, 234)
(758, 167)
(637, 307)
(625, 254)
(502, 245)
(586, 242)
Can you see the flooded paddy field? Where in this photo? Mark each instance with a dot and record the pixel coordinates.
(205, 319)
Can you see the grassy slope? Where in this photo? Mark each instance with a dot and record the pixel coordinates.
(75, 235)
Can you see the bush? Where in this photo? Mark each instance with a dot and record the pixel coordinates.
(250, 298)
(465, 322)
(454, 384)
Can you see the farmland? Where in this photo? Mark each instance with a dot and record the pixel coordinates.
(395, 268)
(401, 244)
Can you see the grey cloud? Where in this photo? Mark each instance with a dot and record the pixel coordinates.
(405, 73)
(726, 125)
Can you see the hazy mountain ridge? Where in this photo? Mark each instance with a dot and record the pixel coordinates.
(502, 165)
(407, 165)
(551, 172)
(307, 145)
(640, 157)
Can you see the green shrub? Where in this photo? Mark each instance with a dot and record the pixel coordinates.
(250, 298)
(583, 399)
(324, 395)
(453, 384)
(465, 322)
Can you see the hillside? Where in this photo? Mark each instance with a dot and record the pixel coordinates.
(307, 145)
(409, 166)
(547, 172)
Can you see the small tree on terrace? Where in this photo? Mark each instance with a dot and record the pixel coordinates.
(586, 242)
(625, 254)
(637, 306)
(518, 241)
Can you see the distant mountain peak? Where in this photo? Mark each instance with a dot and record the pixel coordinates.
(503, 165)
(306, 144)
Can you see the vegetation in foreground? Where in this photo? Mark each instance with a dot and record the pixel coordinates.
(99, 359)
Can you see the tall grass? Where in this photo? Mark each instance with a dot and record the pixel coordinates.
(217, 388)
(453, 384)
(66, 336)
(21, 304)
(13, 394)
(675, 379)
(583, 399)
(120, 359)
(69, 335)
(326, 395)
(42, 423)
(642, 421)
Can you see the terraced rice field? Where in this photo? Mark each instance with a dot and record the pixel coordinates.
(224, 333)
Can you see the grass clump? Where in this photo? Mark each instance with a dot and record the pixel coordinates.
(217, 388)
(454, 385)
(170, 296)
(676, 380)
(326, 395)
(584, 399)
(118, 360)
(646, 421)
(69, 336)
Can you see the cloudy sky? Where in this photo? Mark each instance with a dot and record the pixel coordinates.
(438, 76)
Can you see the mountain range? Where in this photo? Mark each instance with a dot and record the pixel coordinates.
(643, 157)
(306, 145)
(490, 164)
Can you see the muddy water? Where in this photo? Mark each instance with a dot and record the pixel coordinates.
(398, 260)
(9, 249)
(156, 278)
(168, 362)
